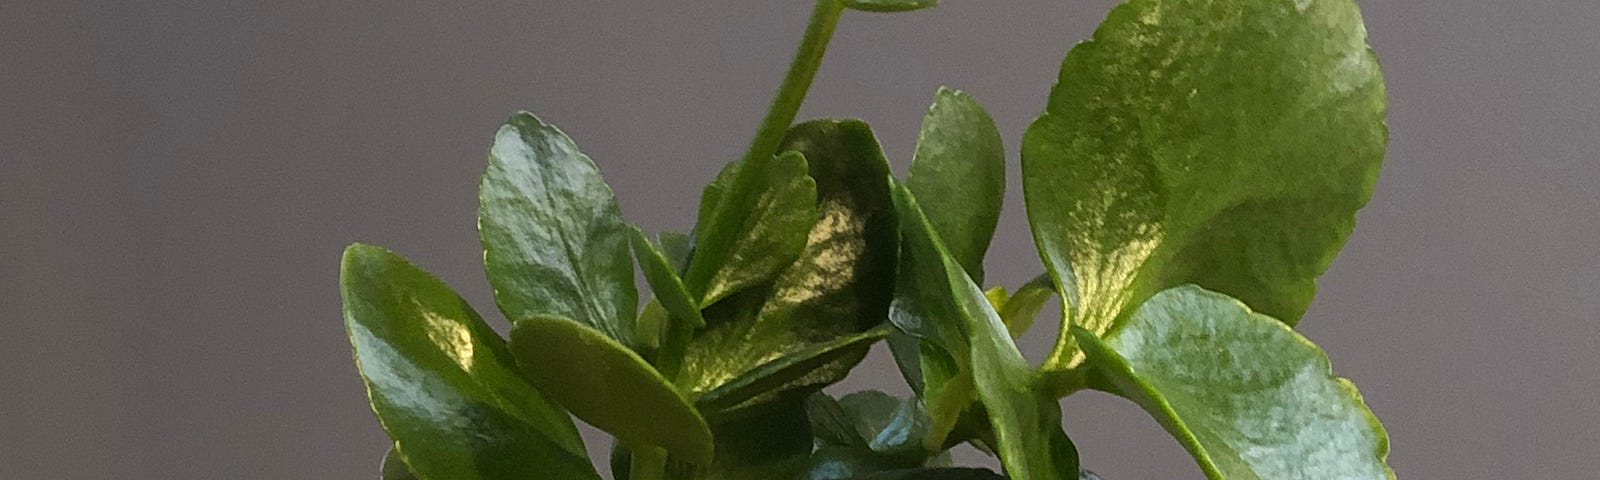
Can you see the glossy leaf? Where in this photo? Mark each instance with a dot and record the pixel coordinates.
(786, 371)
(889, 5)
(554, 243)
(1226, 143)
(1027, 423)
(1245, 394)
(865, 432)
(833, 290)
(959, 171)
(756, 229)
(394, 467)
(609, 386)
(664, 281)
(443, 383)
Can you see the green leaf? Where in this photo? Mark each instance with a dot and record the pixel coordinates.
(676, 247)
(1226, 143)
(870, 420)
(834, 289)
(752, 235)
(889, 5)
(831, 462)
(1027, 423)
(394, 467)
(443, 383)
(554, 243)
(936, 474)
(865, 432)
(621, 460)
(791, 370)
(959, 170)
(609, 386)
(664, 281)
(1019, 309)
(773, 445)
(1245, 394)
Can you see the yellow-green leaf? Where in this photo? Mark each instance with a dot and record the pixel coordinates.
(1244, 393)
(609, 386)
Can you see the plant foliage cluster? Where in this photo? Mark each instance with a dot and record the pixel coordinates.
(1197, 166)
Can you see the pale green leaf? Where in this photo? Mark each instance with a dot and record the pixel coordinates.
(1245, 394)
(1226, 143)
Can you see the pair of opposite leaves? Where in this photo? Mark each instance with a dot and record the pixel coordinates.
(1160, 163)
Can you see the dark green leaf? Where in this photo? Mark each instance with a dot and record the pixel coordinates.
(1245, 394)
(774, 445)
(609, 386)
(865, 432)
(889, 5)
(443, 383)
(554, 242)
(394, 467)
(1226, 143)
(936, 474)
(664, 281)
(621, 460)
(830, 424)
(959, 170)
(907, 352)
(1027, 423)
(832, 462)
(834, 289)
(752, 234)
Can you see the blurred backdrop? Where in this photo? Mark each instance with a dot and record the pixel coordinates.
(177, 179)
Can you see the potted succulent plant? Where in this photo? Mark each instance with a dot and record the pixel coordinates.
(1195, 169)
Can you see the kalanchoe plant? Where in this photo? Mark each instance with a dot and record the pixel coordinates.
(1195, 169)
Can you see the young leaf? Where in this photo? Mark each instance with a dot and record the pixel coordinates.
(752, 234)
(1027, 423)
(1019, 308)
(889, 5)
(1226, 143)
(554, 242)
(1245, 394)
(443, 383)
(608, 386)
(959, 170)
(833, 290)
(664, 281)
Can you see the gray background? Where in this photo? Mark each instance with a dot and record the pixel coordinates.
(177, 180)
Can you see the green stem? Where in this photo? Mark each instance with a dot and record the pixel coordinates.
(780, 115)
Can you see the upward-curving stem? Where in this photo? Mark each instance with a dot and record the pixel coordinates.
(780, 115)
